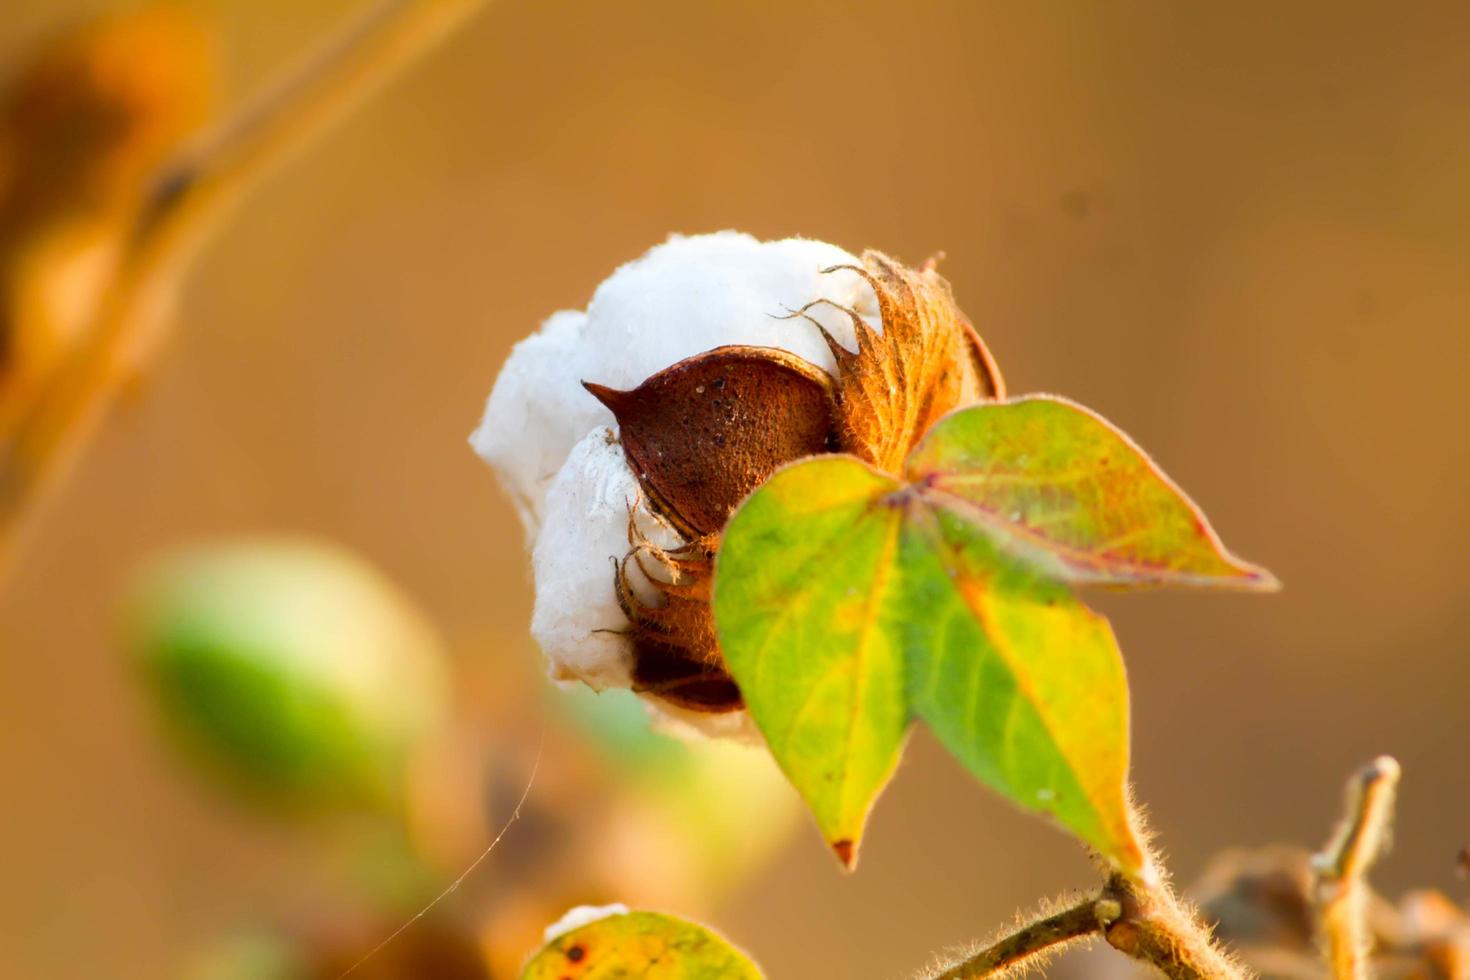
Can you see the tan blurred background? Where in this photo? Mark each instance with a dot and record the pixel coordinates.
(1240, 231)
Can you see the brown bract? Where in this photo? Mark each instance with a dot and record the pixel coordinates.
(926, 362)
(701, 435)
(704, 433)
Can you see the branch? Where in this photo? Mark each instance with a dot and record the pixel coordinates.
(187, 200)
(1160, 930)
(1341, 866)
(1036, 939)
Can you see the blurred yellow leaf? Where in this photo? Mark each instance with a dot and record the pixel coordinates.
(640, 944)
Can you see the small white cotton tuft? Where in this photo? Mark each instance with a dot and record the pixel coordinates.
(582, 915)
(734, 726)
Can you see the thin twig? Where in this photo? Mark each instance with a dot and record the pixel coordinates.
(453, 886)
(1034, 940)
(1341, 866)
(1137, 913)
(188, 200)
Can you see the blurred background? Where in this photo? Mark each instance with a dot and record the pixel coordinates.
(1242, 232)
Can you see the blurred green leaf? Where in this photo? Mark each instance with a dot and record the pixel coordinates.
(644, 945)
(290, 667)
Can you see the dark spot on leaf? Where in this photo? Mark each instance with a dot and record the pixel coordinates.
(576, 953)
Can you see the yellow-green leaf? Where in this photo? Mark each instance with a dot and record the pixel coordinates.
(1060, 488)
(802, 601)
(641, 945)
(1020, 681)
(845, 603)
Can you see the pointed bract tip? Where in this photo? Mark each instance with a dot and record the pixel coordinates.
(611, 397)
(846, 852)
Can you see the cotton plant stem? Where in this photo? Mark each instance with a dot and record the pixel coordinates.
(1341, 867)
(1137, 913)
(188, 199)
(1156, 928)
(1023, 947)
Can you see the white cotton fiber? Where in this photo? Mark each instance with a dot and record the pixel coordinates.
(577, 620)
(582, 915)
(537, 411)
(682, 298)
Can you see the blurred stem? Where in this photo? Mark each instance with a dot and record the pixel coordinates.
(1036, 939)
(187, 201)
(1340, 868)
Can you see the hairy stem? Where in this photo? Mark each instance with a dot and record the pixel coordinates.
(188, 198)
(1158, 929)
(1036, 939)
(1342, 865)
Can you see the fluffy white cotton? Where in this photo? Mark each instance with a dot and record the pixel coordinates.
(682, 298)
(577, 620)
(582, 915)
(555, 447)
(537, 411)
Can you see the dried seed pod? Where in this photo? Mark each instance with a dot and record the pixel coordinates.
(704, 433)
(676, 654)
(927, 361)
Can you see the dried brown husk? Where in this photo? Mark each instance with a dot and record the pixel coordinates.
(926, 362)
(705, 432)
(676, 652)
(1260, 902)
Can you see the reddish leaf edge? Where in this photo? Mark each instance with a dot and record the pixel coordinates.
(1253, 578)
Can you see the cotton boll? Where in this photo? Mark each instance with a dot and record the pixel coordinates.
(684, 297)
(536, 413)
(577, 620)
(554, 444)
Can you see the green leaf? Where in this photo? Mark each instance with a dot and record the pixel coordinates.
(803, 604)
(640, 944)
(1060, 488)
(844, 603)
(1023, 683)
(848, 602)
